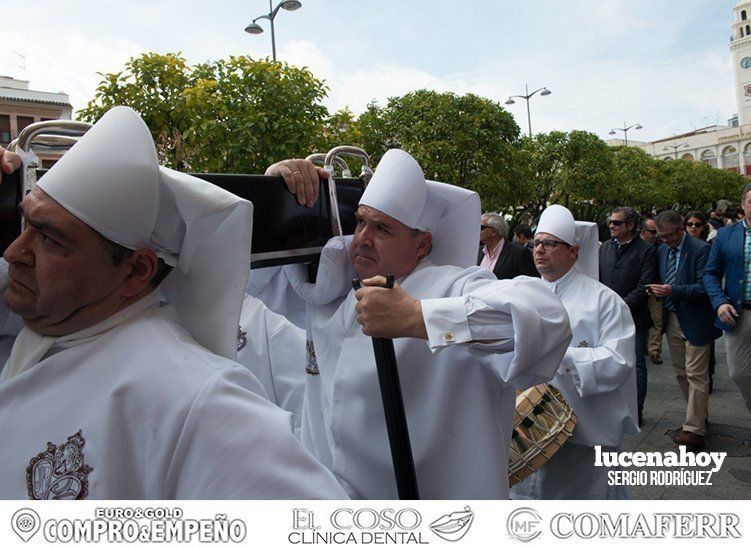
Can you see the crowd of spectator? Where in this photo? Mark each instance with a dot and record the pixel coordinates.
(686, 278)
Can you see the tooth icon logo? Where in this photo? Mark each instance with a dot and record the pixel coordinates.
(25, 523)
(454, 526)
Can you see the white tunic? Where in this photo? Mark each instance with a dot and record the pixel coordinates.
(459, 398)
(597, 376)
(160, 418)
(10, 324)
(598, 379)
(273, 349)
(270, 285)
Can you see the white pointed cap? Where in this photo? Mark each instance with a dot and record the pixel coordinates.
(399, 189)
(111, 181)
(558, 221)
(98, 178)
(587, 238)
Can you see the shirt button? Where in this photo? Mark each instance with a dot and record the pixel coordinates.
(448, 337)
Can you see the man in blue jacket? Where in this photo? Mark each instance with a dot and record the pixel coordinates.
(688, 320)
(730, 257)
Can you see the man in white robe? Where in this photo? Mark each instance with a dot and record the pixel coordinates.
(596, 376)
(109, 393)
(464, 341)
(273, 349)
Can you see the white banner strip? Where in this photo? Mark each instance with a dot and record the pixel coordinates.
(284, 524)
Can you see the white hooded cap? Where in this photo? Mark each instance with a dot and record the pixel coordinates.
(111, 181)
(399, 189)
(587, 238)
(559, 222)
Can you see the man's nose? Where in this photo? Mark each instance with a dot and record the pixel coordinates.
(19, 250)
(365, 237)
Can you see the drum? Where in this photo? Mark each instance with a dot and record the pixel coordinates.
(543, 423)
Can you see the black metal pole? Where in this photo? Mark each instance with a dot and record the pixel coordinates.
(393, 408)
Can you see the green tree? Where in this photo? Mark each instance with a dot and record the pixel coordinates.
(696, 185)
(233, 115)
(572, 169)
(465, 140)
(638, 180)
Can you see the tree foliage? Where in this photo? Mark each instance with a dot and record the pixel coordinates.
(232, 115)
(465, 140)
(238, 115)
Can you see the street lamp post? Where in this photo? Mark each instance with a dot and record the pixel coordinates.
(625, 129)
(255, 28)
(510, 101)
(675, 148)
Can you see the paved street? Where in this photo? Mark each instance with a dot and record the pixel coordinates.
(730, 431)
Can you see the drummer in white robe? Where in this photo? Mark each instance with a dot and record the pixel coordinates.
(464, 341)
(597, 376)
(109, 393)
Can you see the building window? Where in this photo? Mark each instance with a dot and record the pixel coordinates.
(730, 160)
(4, 129)
(710, 158)
(23, 121)
(748, 30)
(747, 159)
(687, 156)
(743, 15)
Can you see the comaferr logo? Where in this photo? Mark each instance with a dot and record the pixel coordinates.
(524, 524)
(640, 525)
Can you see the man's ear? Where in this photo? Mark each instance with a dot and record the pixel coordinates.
(423, 246)
(142, 266)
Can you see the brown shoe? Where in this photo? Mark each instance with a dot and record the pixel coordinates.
(655, 358)
(686, 438)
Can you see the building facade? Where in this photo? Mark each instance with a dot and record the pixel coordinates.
(20, 106)
(726, 147)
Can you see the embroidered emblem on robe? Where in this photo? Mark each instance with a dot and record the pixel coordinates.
(59, 472)
(242, 338)
(311, 364)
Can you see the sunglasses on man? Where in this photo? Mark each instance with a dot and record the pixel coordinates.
(615, 222)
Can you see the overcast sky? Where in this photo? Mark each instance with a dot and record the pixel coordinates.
(662, 63)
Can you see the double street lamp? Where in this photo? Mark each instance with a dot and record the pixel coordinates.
(254, 28)
(510, 101)
(675, 148)
(625, 129)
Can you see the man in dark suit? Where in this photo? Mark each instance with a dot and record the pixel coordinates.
(730, 257)
(505, 258)
(688, 320)
(648, 233)
(627, 265)
(524, 237)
